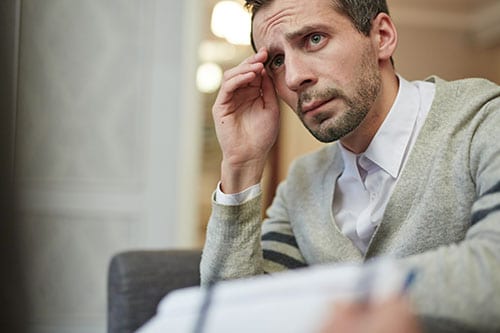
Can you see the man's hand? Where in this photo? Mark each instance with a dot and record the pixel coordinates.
(246, 116)
(391, 316)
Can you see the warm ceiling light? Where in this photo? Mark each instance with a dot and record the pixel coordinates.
(232, 22)
(208, 77)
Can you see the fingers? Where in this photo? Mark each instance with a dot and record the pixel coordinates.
(253, 64)
(241, 74)
(260, 56)
(390, 316)
(247, 74)
(267, 86)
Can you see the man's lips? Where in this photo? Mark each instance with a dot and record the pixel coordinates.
(312, 105)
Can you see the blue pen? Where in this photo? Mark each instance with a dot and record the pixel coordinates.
(410, 279)
(366, 283)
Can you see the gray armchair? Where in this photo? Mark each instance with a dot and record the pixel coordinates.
(138, 280)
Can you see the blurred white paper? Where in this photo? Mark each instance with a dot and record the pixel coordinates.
(296, 301)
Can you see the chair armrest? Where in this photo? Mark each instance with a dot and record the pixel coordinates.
(138, 280)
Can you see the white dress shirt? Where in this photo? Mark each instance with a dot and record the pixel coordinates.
(366, 184)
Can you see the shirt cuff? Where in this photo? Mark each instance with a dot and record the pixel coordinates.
(237, 198)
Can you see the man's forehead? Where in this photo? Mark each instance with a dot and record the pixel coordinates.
(271, 19)
(284, 18)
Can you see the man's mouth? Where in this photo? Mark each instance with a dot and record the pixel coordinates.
(313, 105)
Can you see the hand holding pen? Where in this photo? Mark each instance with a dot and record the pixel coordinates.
(392, 315)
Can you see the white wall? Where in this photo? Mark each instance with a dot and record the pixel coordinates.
(106, 146)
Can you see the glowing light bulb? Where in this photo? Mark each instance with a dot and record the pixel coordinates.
(232, 22)
(208, 77)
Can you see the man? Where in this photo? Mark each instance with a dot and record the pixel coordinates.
(413, 170)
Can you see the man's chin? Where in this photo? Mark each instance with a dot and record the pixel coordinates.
(324, 135)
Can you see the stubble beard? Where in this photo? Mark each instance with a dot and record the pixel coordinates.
(329, 129)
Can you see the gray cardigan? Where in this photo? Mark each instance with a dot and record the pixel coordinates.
(443, 217)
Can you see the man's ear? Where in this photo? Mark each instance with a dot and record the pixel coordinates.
(384, 36)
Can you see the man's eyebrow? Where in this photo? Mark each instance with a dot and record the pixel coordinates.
(303, 31)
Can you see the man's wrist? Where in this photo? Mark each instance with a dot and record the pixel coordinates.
(237, 179)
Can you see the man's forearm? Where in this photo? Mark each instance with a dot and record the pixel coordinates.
(232, 248)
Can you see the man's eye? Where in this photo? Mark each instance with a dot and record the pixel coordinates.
(315, 38)
(277, 62)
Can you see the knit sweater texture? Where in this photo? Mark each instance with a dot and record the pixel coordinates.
(443, 218)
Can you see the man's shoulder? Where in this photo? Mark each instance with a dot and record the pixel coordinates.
(465, 96)
(465, 88)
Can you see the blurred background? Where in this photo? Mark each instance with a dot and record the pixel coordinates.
(108, 142)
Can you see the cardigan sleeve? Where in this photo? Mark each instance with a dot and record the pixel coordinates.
(232, 247)
(461, 282)
(238, 244)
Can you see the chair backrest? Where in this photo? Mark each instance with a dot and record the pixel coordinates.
(138, 280)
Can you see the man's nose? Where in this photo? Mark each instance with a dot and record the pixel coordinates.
(299, 73)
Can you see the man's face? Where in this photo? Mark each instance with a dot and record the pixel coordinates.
(321, 66)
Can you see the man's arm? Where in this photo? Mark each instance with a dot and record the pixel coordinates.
(246, 117)
(239, 245)
(461, 282)
(232, 246)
